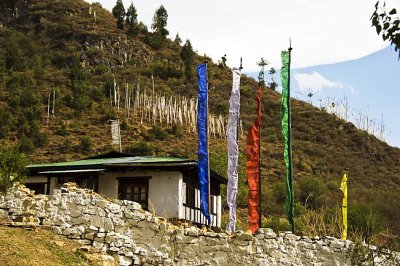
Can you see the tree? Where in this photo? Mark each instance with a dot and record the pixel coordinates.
(14, 56)
(272, 85)
(12, 167)
(178, 39)
(160, 22)
(119, 13)
(387, 24)
(223, 61)
(131, 19)
(187, 56)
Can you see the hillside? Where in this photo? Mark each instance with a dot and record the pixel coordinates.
(59, 47)
(36, 246)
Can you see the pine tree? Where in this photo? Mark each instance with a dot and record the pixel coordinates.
(178, 39)
(119, 13)
(131, 19)
(187, 56)
(160, 22)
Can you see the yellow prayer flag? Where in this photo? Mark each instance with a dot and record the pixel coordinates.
(343, 188)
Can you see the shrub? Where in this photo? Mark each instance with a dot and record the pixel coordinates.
(364, 220)
(85, 144)
(279, 192)
(125, 125)
(101, 69)
(277, 224)
(142, 148)
(156, 132)
(26, 145)
(311, 190)
(175, 130)
(76, 71)
(66, 146)
(154, 40)
(62, 131)
(12, 167)
(40, 139)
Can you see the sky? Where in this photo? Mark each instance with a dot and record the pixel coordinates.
(370, 86)
(336, 53)
(322, 31)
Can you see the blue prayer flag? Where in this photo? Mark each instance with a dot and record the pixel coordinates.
(203, 166)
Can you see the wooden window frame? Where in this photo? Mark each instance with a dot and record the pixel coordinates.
(141, 181)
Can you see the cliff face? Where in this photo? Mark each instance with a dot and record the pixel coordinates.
(136, 237)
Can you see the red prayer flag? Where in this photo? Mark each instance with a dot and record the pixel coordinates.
(253, 168)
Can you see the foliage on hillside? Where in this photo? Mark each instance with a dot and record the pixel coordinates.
(19, 246)
(60, 48)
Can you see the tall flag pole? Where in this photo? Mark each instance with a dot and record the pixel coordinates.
(202, 132)
(253, 150)
(286, 131)
(343, 188)
(233, 148)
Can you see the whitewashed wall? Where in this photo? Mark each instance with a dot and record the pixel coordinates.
(167, 192)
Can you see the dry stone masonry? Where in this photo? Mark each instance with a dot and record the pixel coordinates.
(132, 236)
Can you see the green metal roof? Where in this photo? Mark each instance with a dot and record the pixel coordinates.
(73, 171)
(137, 160)
(108, 161)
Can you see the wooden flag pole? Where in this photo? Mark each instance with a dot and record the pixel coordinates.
(260, 82)
(208, 152)
(290, 137)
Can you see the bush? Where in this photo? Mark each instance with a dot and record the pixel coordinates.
(279, 192)
(66, 146)
(125, 125)
(175, 130)
(76, 71)
(142, 148)
(101, 69)
(154, 40)
(12, 167)
(62, 131)
(40, 139)
(156, 132)
(85, 144)
(277, 224)
(26, 145)
(364, 220)
(311, 190)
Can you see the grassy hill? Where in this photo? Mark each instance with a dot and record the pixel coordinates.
(60, 46)
(35, 246)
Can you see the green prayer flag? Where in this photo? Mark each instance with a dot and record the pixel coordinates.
(285, 122)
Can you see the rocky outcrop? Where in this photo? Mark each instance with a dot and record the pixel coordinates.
(133, 236)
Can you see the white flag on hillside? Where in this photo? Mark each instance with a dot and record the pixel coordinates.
(115, 132)
(233, 149)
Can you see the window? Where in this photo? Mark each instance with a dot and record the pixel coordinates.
(134, 190)
(39, 188)
(89, 182)
(212, 198)
(190, 196)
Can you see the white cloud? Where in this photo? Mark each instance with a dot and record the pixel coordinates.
(315, 82)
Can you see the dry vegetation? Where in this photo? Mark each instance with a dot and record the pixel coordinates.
(34, 247)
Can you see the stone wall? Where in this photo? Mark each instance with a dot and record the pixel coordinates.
(136, 237)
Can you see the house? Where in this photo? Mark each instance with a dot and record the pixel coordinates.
(164, 185)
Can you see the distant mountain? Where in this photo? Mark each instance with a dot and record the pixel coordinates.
(371, 85)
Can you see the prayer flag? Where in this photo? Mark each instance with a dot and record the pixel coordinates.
(233, 149)
(202, 132)
(253, 168)
(286, 128)
(343, 188)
